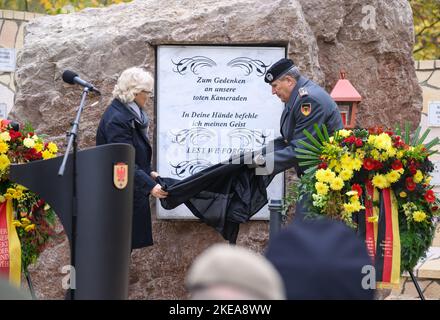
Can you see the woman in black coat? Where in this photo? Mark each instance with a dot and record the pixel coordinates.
(124, 121)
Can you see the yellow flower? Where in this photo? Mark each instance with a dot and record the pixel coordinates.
(346, 175)
(403, 194)
(29, 143)
(4, 136)
(380, 181)
(344, 133)
(4, 147)
(321, 188)
(373, 218)
(29, 228)
(52, 147)
(399, 154)
(4, 162)
(16, 223)
(337, 184)
(324, 175)
(393, 176)
(357, 164)
(352, 193)
(25, 221)
(2, 199)
(348, 207)
(419, 216)
(47, 154)
(428, 179)
(375, 154)
(17, 194)
(418, 177)
(38, 147)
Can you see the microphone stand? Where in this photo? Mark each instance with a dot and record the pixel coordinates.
(72, 134)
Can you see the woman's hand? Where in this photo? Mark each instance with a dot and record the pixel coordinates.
(157, 192)
(154, 175)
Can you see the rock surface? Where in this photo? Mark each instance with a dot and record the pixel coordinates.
(320, 36)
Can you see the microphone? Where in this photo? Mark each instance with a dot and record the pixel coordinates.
(72, 78)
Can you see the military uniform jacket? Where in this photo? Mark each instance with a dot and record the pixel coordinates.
(308, 104)
(118, 125)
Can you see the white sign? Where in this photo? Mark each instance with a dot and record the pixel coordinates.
(3, 110)
(435, 181)
(212, 101)
(7, 60)
(434, 114)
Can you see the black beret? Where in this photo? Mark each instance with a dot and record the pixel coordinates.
(320, 259)
(278, 69)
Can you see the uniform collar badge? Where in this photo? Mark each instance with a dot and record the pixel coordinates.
(302, 92)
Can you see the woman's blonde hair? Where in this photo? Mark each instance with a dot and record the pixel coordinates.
(131, 82)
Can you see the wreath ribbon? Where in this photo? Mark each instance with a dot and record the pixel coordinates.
(10, 248)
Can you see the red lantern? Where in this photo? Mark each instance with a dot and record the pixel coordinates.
(347, 99)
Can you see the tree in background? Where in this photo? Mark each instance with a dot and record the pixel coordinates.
(426, 15)
(55, 6)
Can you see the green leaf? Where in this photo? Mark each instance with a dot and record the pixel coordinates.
(416, 136)
(319, 133)
(309, 162)
(309, 146)
(424, 135)
(407, 129)
(324, 129)
(312, 139)
(432, 143)
(307, 156)
(311, 170)
(304, 151)
(398, 132)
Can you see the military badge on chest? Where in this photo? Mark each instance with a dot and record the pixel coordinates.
(306, 108)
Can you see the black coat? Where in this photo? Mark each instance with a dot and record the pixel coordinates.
(118, 125)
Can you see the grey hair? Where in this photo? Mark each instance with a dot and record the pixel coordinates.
(293, 72)
(132, 81)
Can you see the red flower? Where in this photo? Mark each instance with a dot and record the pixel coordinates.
(397, 164)
(323, 165)
(389, 132)
(358, 188)
(429, 196)
(434, 208)
(14, 134)
(358, 142)
(369, 164)
(410, 184)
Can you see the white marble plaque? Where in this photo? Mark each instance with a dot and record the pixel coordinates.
(434, 114)
(212, 101)
(7, 60)
(435, 181)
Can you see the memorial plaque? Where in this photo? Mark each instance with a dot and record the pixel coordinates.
(435, 181)
(212, 101)
(434, 114)
(7, 60)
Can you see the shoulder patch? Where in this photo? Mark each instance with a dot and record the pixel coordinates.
(303, 92)
(306, 108)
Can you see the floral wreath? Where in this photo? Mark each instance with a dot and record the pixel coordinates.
(32, 217)
(347, 174)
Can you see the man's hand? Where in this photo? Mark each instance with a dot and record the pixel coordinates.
(157, 192)
(154, 175)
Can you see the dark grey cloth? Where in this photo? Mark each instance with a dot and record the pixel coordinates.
(119, 125)
(222, 196)
(320, 259)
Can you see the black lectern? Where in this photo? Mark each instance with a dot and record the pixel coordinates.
(103, 227)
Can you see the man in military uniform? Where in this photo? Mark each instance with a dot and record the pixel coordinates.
(306, 104)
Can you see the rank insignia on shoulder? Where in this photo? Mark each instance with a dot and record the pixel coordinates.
(306, 108)
(303, 92)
